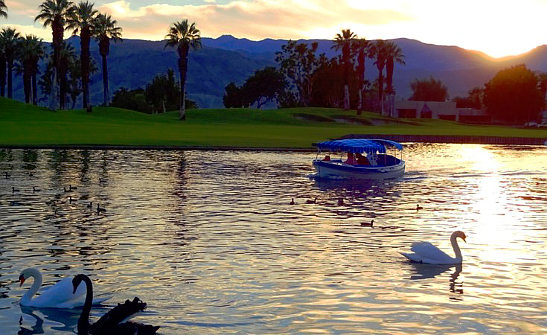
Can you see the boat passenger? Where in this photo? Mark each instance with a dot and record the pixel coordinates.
(362, 160)
(327, 158)
(351, 160)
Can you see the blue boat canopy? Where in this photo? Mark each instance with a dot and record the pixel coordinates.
(358, 145)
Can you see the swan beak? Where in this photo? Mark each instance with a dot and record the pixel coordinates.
(463, 238)
(21, 280)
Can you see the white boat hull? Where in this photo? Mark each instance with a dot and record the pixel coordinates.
(337, 169)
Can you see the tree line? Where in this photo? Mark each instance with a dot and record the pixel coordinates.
(302, 78)
(315, 80)
(66, 74)
(515, 95)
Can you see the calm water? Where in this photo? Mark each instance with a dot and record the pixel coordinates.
(210, 242)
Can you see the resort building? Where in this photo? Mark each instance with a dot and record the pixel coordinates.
(438, 110)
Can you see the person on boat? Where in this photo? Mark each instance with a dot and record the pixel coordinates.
(351, 160)
(327, 158)
(362, 160)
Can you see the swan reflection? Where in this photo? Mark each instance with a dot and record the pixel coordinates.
(427, 271)
(456, 287)
(37, 328)
(64, 319)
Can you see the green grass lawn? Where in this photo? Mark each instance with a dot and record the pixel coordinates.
(22, 124)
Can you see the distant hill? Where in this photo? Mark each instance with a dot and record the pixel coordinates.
(134, 63)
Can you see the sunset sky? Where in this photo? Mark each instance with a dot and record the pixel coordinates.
(496, 27)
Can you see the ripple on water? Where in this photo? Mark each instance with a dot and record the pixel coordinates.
(210, 241)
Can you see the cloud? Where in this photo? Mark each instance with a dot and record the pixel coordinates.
(498, 27)
(251, 19)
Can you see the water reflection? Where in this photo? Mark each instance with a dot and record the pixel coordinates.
(36, 328)
(209, 240)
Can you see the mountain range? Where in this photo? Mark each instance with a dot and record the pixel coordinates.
(133, 63)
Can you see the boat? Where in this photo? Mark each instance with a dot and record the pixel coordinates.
(366, 159)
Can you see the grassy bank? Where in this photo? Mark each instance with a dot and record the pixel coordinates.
(22, 124)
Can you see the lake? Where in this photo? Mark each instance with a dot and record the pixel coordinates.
(208, 239)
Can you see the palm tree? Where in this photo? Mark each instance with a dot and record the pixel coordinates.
(105, 30)
(31, 50)
(67, 56)
(82, 19)
(183, 36)
(54, 13)
(378, 52)
(3, 9)
(393, 54)
(10, 39)
(360, 48)
(2, 67)
(343, 42)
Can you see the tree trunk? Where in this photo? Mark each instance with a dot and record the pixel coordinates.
(57, 31)
(2, 75)
(360, 102)
(183, 67)
(10, 78)
(26, 85)
(62, 88)
(104, 49)
(346, 97)
(105, 82)
(361, 74)
(54, 94)
(34, 90)
(84, 57)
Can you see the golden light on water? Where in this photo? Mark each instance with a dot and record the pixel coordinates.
(496, 223)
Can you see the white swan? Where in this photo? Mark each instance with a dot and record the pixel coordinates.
(425, 252)
(59, 295)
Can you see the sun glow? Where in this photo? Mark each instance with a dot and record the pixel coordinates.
(497, 28)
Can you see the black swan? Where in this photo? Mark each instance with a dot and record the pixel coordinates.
(292, 202)
(418, 207)
(111, 322)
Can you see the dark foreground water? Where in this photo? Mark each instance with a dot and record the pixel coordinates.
(210, 242)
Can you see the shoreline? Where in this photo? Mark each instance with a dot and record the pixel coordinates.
(493, 140)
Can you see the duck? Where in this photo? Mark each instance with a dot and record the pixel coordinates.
(425, 252)
(309, 201)
(59, 295)
(70, 188)
(70, 200)
(418, 207)
(90, 205)
(292, 202)
(6, 174)
(100, 210)
(14, 190)
(367, 224)
(35, 189)
(111, 322)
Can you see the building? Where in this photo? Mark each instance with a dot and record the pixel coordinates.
(438, 110)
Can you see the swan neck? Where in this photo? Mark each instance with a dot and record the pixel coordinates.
(456, 247)
(83, 321)
(37, 283)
